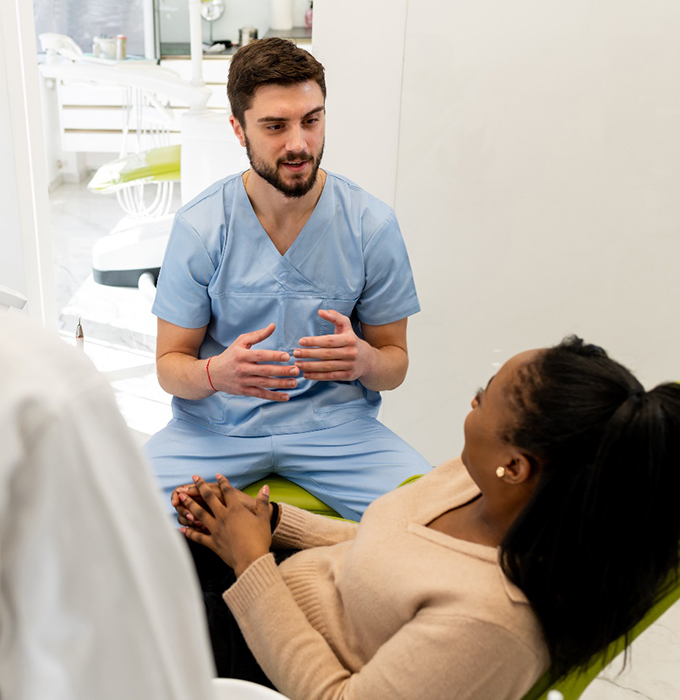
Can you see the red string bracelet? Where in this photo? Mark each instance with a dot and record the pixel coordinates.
(207, 371)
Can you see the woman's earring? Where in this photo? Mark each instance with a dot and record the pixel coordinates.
(500, 472)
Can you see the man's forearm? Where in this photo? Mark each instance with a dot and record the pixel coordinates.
(183, 376)
(387, 369)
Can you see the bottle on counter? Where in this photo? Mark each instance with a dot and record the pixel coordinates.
(121, 47)
(281, 15)
(309, 15)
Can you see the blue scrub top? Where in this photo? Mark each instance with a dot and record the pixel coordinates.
(222, 270)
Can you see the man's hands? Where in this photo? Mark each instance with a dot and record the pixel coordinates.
(236, 529)
(239, 369)
(342, 356)
(379, 360)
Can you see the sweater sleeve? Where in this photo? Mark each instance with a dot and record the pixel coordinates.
(299, 529)
(457, 657)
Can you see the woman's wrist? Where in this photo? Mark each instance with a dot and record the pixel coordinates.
(241, 566)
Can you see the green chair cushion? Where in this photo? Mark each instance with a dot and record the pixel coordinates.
(285, 491)
(155, 165)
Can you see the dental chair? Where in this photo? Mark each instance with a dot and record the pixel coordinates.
(164, 133)
(569, 688)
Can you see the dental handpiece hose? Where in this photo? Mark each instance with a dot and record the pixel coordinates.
(80, 337)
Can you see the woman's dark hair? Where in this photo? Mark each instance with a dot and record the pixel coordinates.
(597, 544)
(270, 61)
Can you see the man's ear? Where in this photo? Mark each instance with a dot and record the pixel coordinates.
(238, 130)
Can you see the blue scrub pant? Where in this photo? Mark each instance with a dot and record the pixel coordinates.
(347, 466)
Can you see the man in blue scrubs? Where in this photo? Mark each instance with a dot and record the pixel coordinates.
(282, 307)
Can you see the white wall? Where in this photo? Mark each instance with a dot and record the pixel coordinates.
(537, 184)
(26, 263)
(361, 45)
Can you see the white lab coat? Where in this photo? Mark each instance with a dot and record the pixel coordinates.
(97, 595)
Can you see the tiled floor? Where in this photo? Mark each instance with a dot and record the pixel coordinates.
(120, 339)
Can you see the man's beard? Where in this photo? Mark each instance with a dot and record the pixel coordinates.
(298, 188)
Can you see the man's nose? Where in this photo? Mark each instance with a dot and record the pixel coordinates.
(296, 139)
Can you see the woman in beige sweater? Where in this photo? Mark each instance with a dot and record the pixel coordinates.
(550, 537)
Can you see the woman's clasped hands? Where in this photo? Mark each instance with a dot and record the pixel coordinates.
(234, 525)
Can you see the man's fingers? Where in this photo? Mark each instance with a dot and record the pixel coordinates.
(340, 321)
(281, 371)
(323, 354)
(265, 394)
(322, 341)
(269, 382)
(264, 356)
(324, 368)
(329, 376)
(250, 339)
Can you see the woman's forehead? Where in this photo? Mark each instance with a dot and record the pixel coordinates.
(510, 369)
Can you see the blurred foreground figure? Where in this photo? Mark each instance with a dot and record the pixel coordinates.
(97, 596)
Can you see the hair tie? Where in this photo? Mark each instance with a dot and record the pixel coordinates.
(631, 402)
(636, 395)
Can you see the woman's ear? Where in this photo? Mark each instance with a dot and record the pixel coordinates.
(520, 469)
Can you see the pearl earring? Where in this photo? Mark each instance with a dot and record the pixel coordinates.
(500, 472)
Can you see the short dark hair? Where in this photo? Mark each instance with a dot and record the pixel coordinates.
(598, 541)
(268, 62)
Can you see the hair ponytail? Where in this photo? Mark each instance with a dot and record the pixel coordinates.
(595, 545)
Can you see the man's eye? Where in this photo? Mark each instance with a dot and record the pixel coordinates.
(274, 127)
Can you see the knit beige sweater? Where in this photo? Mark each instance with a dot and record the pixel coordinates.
(389, 608)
